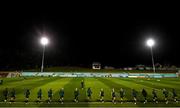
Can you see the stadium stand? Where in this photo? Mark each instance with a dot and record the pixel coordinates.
(29, 74)
(4, 74)
(89, 74)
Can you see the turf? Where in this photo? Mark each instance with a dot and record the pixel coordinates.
(69, 84)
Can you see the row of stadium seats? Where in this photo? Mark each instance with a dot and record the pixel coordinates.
(89, 74)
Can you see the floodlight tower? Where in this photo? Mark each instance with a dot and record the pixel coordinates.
(44, 41)
(150, 43)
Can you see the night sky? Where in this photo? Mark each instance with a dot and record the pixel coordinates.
(114, 36)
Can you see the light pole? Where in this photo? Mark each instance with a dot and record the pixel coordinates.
(150, 43)
(44, 42)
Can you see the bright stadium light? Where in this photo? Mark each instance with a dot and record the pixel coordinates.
(44, 41)
(150, 43)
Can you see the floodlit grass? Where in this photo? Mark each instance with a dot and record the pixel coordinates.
(69, 84)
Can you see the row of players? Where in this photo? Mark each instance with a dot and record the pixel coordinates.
(89, 94)
(12, 94)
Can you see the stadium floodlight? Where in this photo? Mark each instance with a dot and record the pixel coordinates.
(44, 41)
(150, 43)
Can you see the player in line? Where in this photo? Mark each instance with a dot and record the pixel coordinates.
(39, 96)
(134, 94)
(113, 94)
(5, 93)
(154, 93)
(50, 94)
(122, 94)
(76, 95)
(82, 84)
(166, 93)
(144, 93)
(13, 96)
(102, 95)
(174, 95)
(27, 93)
(61, 95)
(89, 93)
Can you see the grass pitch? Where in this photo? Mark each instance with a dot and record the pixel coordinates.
(69, 84)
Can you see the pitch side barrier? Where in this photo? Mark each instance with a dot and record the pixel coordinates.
(90, 74)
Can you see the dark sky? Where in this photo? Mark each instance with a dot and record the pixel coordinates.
(113, 35)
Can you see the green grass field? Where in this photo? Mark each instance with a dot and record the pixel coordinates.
(69, 84)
